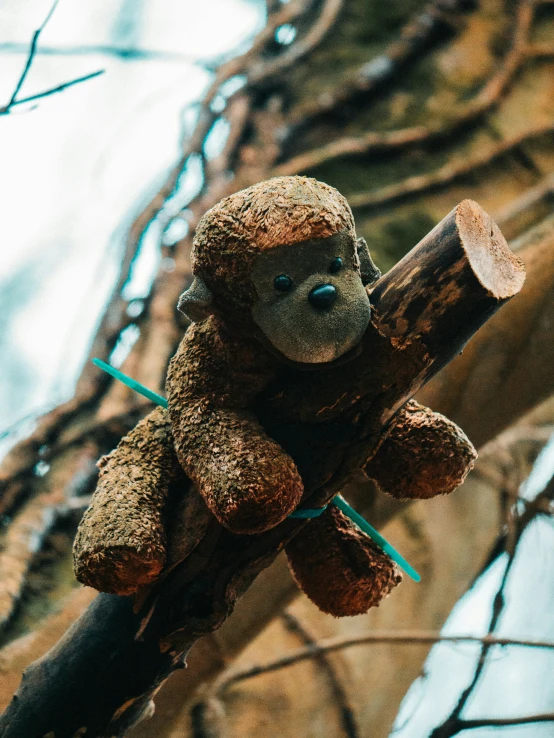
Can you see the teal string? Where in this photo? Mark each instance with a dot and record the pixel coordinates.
(304, 512)
(376, 536)
(342, 505)
(140, 388)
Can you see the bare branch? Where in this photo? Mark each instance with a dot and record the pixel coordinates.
(346, 710)
(128, 54)
(540, 51)
(446, 174)
(504, 722)
(31, 55)
(510, 539)
(400, 637)
(413, 38)
(487, 98)
(54, 90)
(297, 51)
(5, 110)
(531, 197)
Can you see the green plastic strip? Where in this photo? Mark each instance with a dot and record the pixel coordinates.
(376, 536)
(304, 512)
(140, 388)
(301, 513)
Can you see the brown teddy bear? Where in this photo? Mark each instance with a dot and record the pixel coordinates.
(281, 286)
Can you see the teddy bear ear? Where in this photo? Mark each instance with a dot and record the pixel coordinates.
(370, 273)
(196, 302)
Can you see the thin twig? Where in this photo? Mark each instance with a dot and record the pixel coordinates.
(31, 55)
(347, 715)
(452, 725)
(127, 54)
(505, 722)
(404, 637)
(54, 90)
(5, 110)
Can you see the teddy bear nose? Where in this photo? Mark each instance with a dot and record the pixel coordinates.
(323, 296)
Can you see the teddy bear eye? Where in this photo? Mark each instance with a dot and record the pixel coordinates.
(283, 283)
(335, 265)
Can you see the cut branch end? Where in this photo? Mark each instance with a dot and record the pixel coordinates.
(496, 267)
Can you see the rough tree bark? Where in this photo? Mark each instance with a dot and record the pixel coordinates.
(101, 676)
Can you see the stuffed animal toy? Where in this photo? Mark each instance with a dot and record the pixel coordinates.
(282, 285)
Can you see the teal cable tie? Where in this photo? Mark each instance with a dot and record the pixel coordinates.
(301, 513)
(376, 536)
(141, 389)
(304, 512)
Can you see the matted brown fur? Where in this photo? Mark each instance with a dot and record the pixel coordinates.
(283, 210)
(210, 431)
(121, 541)
(424, 455)
(248, 481)
(340, 568)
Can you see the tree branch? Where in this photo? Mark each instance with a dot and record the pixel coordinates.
(5, 110)
(468, 112)
(451, 171)
(512, 347)
(504, 722)
(53, 90)
(30, 56)
(344, 705)
(103, 673)
(329, 645)
(414, 37)
(453, 724)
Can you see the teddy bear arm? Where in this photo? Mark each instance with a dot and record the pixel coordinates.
(339, 567)
(121, 542)
(423, 455)
(247, 480)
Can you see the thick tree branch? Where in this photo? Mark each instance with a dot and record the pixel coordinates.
(515, 345)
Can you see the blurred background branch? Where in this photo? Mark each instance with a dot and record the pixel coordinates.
(406, 107)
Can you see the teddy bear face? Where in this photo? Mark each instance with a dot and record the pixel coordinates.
(311, 303)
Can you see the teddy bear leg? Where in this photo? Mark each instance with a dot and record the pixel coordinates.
(423, 455)
(121, 541)
(341, 569)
